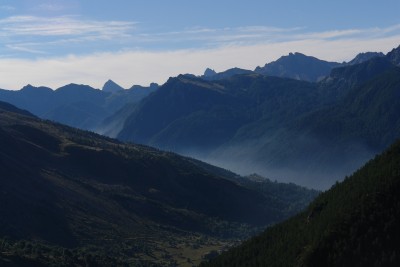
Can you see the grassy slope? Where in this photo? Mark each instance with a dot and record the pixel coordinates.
(97, 196)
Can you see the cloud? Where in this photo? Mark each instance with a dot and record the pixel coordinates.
(62, 26)
(7, 8)
(118, 50)
(206, 37)
(50, 7)
(74, 35)
(61, 35)
(23, 48)
(209, 38)
(142, 67)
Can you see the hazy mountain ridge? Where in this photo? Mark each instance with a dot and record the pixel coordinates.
(294, 66)
(362, 57)
(360, 125)
(266, 123)
(211, 75)
(75, 105)
(112, 87)
(298, 66)
(247, 122)
(197, 114)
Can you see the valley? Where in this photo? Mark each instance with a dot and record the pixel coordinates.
(199, 133)
(294, 163)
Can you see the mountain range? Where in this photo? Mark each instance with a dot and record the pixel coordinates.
(76, 105)
(252, 122)
(72, 197)
(261, 121)
(64, 189)
(298, 66)
(294, 66)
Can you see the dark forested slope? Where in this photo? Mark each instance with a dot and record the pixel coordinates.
(355, 223)
(74, 189)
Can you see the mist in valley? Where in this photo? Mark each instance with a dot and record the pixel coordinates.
(315, 167)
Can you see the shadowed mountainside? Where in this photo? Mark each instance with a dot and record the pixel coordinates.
(74, 189)
(282, 128)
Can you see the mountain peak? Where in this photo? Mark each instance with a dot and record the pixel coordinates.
(298, 66)
(209, 72)
(394, 56)
(211, 75)
(362, 57)
(75, 87)
(296, 54)
(31, 88)
(112, 87)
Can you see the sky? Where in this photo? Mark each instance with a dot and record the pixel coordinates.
(57, 42)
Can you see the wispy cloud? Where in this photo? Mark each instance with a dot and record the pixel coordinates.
(24, 48)
(218, 37)
(205, 37)
(270, 34)
(50, 7)
(369, 33)
(62, 26)
(153, 57)
(27, 33)
(74, 35)
(7, 8)
(151, 66)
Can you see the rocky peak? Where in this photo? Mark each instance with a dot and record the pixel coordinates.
(112, 87)
(394, 56)
(363, 57)
(209, 72)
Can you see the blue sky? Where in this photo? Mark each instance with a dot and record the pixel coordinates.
(54, 42)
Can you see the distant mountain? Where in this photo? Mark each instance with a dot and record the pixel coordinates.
(70, 197)
(295, 66)
(342, 79)
(227, 122)
(75, 105)
(357, 121)
(339, 137)
(366, 116)
(139, 88)
(362, 57)
(112, 87)
(355, 223)
(7, 107)
(298, 66)
(211, 75)
(285, 129)
(244, 121)
(394, 56)
(190, 114)
(113, 123)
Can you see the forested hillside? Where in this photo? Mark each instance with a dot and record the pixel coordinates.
(355, 223)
